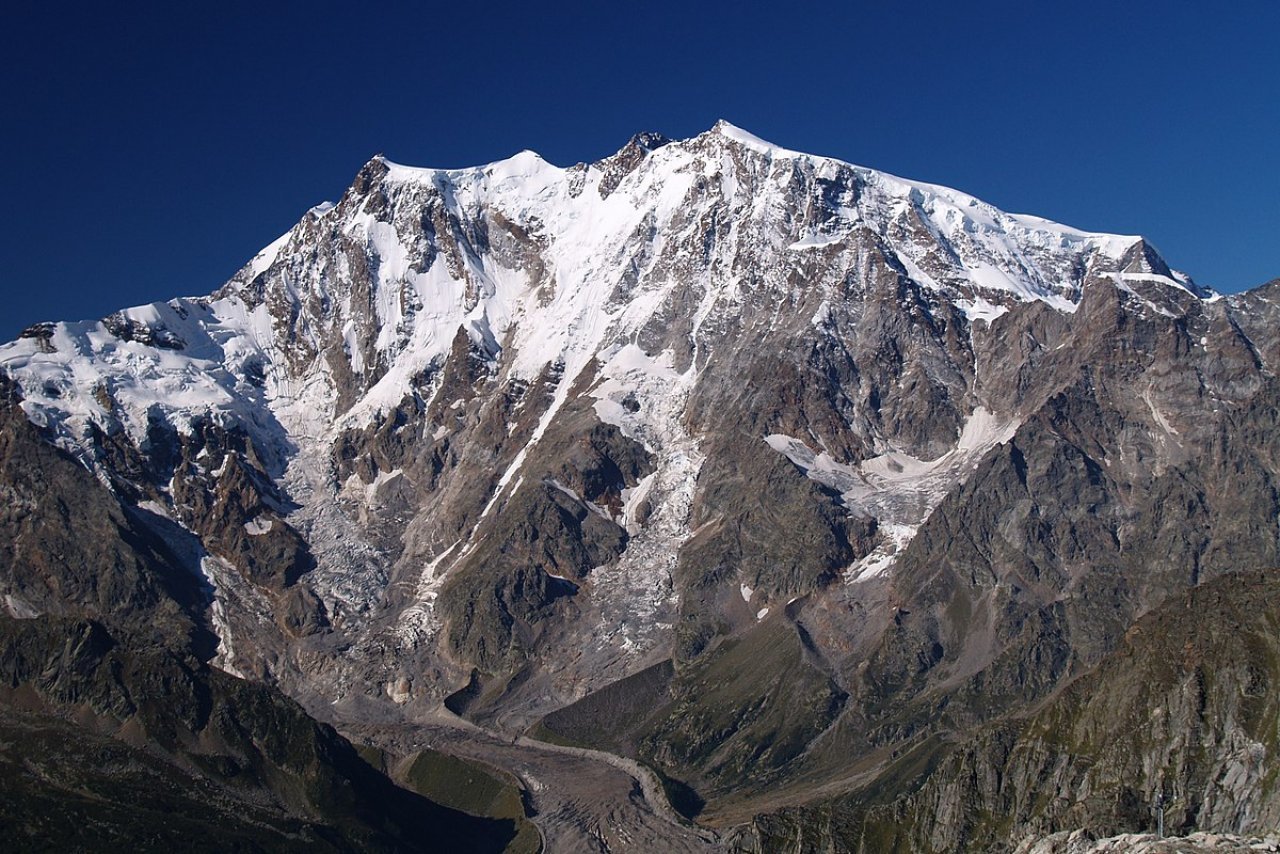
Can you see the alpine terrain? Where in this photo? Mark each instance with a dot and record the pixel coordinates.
(711, 496)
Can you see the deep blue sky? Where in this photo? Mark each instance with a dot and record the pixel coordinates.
(148, 150)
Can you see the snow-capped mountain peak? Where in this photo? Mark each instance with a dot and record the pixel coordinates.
(549, 265)
(808, 466)
(749, 140)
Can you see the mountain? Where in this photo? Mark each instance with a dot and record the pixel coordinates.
(809, 488)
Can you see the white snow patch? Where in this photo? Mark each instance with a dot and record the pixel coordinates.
(1158, 415)
(979, 309)
(632, 500)
(214, 571)
(994, 278)
(1120, 280)
(817, 240)
(155, 507)
(367, 493)
(894, 538)
(352, 345)
(268, 255)
(19, 608)
(1182, 283)
(573, 494)
(898, 490)
(751, 141)
(258, 526)
(418, 620)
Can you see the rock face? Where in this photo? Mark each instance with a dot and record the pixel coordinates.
(1181, 717)
(114, 732)
(783, 475)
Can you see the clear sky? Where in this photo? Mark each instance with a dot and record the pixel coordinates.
(149, 150)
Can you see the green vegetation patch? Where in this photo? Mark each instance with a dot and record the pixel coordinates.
(474, 789)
